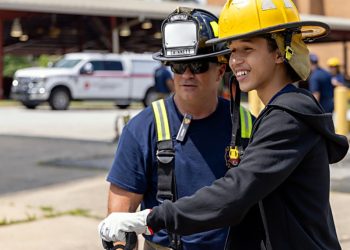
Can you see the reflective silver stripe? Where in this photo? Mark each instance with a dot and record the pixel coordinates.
(161, 118)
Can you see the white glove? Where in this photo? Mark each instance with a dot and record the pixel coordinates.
(114, 227)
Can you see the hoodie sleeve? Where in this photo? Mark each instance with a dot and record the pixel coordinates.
(277, 147)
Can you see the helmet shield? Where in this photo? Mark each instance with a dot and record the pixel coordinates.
(184, 45)
(184, 36)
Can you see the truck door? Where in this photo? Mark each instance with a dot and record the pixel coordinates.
(142, 77)
(103, 81)
(116, 80)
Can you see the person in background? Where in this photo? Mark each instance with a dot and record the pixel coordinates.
(164, 83)
(199, 132)
(320, 85)
(284, 171)
(338, 78)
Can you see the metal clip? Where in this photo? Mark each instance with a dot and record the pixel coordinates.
(233, 156)
(234, 153)
(289, 53)
(165, 155)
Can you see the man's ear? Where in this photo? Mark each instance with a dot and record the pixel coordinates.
(222, 71)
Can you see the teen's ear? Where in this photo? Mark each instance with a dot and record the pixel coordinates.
(279, 57)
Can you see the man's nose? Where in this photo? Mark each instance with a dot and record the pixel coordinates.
(188, 72)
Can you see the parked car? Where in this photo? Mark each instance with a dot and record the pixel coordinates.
(122, 78)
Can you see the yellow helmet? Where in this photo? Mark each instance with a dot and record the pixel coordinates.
(241, 19)
(333, 62)
(246, 18)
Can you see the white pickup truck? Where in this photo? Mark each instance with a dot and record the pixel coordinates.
(122, 78)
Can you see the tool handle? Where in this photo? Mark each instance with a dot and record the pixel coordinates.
(131, 241)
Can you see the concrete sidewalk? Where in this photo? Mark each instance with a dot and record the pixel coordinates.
(87, 198)
(51, 210)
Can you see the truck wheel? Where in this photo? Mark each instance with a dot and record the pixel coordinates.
(59, 99)
(122, 106)
(30, 105)
(151, 96)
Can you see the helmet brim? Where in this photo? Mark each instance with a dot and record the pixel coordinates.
(310, 30)
(160, 57)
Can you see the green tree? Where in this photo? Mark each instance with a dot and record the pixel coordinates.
(12, 63)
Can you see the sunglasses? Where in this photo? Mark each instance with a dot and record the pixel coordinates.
(196, 67)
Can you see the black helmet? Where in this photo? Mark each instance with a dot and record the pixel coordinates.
(184, 33)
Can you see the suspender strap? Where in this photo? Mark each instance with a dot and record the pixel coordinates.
(165, 153)
(166, 160)
(162, 123)
(166, 182)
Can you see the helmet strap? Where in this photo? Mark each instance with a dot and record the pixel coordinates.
(235, 150)
(287, 45)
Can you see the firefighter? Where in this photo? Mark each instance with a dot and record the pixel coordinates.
(338, 79)
(178, 145)
(283, 178)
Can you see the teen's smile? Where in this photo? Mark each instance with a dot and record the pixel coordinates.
(241, 74)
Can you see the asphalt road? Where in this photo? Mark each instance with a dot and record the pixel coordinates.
(29, 162)
(43, 147)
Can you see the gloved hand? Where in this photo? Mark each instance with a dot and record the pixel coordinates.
(114, 227)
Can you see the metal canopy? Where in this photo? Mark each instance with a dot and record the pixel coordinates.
(85, 24)
(92, 21)
(131, 8)
(155, 9)
(61, 33)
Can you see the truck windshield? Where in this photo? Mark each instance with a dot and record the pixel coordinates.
(66, 63)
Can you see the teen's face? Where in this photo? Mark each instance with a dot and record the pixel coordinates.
(252, 63)
(199, 87)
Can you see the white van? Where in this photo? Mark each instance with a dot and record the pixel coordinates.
(122, 78)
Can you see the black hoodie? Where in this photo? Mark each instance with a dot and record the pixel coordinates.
(286, 167)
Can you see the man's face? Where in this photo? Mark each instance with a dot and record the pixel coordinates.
(253, 63)
(333, 70)
(197, 87)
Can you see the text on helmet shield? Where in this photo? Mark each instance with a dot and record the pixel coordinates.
(179, 17)
(180, 52)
